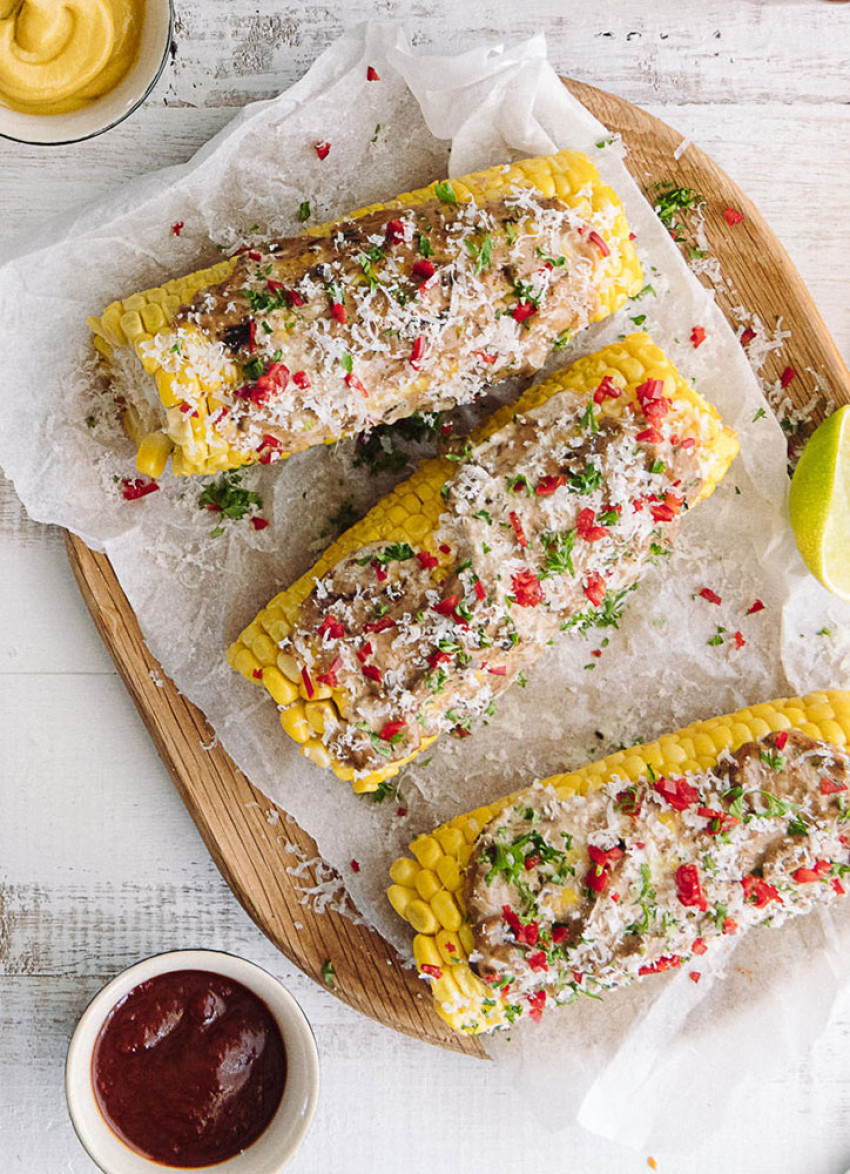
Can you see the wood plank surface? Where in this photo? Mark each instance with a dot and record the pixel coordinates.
(253, 853)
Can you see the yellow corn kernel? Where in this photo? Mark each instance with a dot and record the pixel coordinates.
(421, 917)
(404, 871)
(153, 453)
(295, 723)
(282, 691)
(427, 883)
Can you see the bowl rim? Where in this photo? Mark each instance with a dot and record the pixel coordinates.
(84, 138)
(300, 1097)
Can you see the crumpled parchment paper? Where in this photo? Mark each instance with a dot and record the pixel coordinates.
(654, 1055)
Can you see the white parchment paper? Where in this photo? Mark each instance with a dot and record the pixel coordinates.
(603, 1064)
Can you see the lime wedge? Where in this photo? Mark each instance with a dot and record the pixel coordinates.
(820, 503)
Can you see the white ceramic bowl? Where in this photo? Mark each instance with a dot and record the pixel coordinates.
(112, 108)
(284, 1133)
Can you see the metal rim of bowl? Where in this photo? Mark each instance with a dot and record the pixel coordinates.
(180, 958)
(117, 121)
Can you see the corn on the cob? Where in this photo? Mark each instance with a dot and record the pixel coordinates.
(428, 890)
(522, 255)
(607, 390)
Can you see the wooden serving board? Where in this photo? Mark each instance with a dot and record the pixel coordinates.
(230, 813)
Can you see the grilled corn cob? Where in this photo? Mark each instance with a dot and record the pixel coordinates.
(418, 303)
(791, 840)
(431, 563)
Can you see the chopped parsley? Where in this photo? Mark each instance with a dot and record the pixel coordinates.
(672, 204)
(445, 193)
(329, 975)
(226, 496)
(481, 254)
(304, 212)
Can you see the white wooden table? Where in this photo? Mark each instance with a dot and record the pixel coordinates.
(100, 864)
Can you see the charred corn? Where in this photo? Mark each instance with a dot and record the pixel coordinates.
(419, 303)
(724, 823)
(438, 604)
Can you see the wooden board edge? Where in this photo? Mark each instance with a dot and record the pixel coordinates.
(265, 894)
(385, 989)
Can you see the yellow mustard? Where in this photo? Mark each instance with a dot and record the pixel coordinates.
(59, 55)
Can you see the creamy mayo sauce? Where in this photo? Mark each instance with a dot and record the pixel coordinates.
(58, 55)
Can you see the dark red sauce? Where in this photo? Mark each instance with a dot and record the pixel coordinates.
(189, 1068)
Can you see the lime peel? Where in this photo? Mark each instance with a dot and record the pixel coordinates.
(819, 503)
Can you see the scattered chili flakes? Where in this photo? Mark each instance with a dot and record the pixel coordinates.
(424, 269)
(747, 336)
(259, 523)
(733, 216)
(781, 740)
(426, 560)
(355, 867)
(828, 787)
(739, 640)
(177, 227)
(338, 313)
(546, 486)
(322, 149)
(699, 947)
(308, 684)
(694, 975)
(838, 886)
(372, 672)
(257, 674)
(787, 376)
(372, 74)
(710, 596)
(430, 970)
(730, 926)
(756, 606)
(697, 336)
(132, 488)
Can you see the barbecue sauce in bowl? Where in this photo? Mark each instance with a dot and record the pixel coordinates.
(189, 1068)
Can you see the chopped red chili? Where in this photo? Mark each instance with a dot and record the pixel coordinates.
(259, 523)
(733, 216)
(600, 243)
(688, 887)
(710, 596)
(308, 684)
(747, 336)
(757, 606)
(527, 588)
(430, 970)
(426, 560)
(372, 75)
(391, 729)
(677, 791)
(586, 528)
(423, 268)
(339, 313)
(516, 524)
(595, 589)
(132, 488)
(697, 336)
(322, 149)
(787, 376)
(828, 787)
(522, 311)
(177, 228)
(372, 672)
(546, 486)
(606, 390)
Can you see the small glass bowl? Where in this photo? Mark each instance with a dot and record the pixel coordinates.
(105, 112)
(287, 1128)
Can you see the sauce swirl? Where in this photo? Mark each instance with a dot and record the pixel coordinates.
(189, 1068)
(59, 55)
